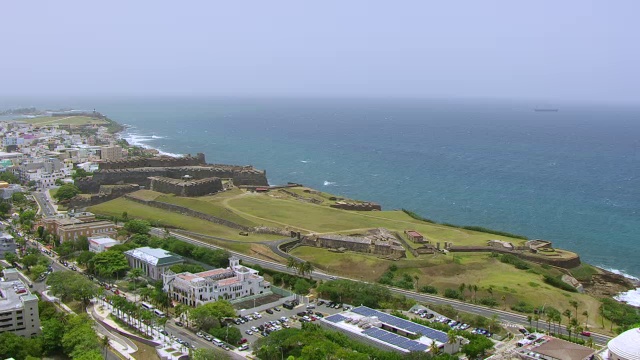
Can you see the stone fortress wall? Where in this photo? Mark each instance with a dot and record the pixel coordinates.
(140, 170)
(179, 187)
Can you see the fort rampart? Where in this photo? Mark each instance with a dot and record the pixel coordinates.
(562, 262)
(186, 187)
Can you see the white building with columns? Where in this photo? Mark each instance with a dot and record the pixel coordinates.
(234, 282)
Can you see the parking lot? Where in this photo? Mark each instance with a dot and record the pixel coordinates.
(291, 315)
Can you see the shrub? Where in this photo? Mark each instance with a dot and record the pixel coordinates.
(523, 307)
(418, 217)
(488, 301)
(515, 261)
(451, 294)
(428, 289)
(557, 282)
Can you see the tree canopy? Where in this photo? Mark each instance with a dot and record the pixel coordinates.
(109, 263)
(211, 314)
(71, 285)
(136, 226)
(66, 191)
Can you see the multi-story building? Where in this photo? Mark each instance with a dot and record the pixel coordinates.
(18, 307)
(98, 244)
(232, 283)
(111, 153)
(74, 225)
(7, 244)
(154, 262)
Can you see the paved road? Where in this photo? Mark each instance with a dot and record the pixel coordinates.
(504, 316)
(43, 202)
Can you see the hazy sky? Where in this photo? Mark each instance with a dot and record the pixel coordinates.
(560, 50)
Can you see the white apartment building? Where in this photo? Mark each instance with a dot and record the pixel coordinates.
(154, 262)
(7, 244)
(98, 244)
(18, 307)
(232, 283)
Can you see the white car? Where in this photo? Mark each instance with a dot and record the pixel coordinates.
(257, 315)
(248, 332)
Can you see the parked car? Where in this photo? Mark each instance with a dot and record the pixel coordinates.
(178, 323)
(244, 347)
(269, 311)
(248, 332)
(242, 341)
(302, 313)
(276, 308)
(585, 333)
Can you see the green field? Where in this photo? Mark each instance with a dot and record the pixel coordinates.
(207, 207)
(445, 271)
(170, 219)
(64, 120)
(322, 219)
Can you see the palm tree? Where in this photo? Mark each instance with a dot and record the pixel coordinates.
(536, 317)
(549, 318)
(292, 263)
(306, 268)
(530, 319)
(504, 301)
(586, 319)
(134, 274)
(163, 321)
(573, 324)
(574, 304)
(461, 288)
(434, 349)
(104, 342)
(416, 278)
(475, 292)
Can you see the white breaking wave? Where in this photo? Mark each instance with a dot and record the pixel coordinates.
(328, 183)
(141, 141)
(619, 272)
(631, 297)
(304, 161)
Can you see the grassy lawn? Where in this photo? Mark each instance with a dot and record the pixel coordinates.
(207, 207)
(64, 120)
(167, 218)
(147, 195)
(53, 192)
(445, 271)
(321, 219)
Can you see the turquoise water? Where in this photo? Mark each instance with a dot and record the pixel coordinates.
(572, 177)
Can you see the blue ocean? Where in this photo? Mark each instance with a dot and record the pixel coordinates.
(571, 176)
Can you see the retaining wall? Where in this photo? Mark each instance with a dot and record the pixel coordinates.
(189, 212)
(565, 263)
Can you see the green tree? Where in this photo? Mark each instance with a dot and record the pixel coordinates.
(574, 304)
(211, 314)
(90, 355)
(79, 337)
(109, 263)
(52, 332)
(85, 257)
(137, 226)
(5, 208)
(71, 285)
(9, 177)
(37, 270)
(29, 260)
(66, 192)
(18, 197)
(11, 257)
(80, 173)
(27, 216)
(134, 275)
(302, 287)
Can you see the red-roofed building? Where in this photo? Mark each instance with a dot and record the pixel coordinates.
(414, 236)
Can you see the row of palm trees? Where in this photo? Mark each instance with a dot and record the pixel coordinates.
(301, 267)
(555, 317)
(136, 315)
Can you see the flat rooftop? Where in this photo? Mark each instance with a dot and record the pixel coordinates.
(154, 256)
(379, 327)
(12, 293)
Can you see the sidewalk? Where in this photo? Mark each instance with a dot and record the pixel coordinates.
(168, 348)
(119, 343)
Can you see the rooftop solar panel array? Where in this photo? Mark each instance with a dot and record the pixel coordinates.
(403, 324)
(336, 318)
(397, 340)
